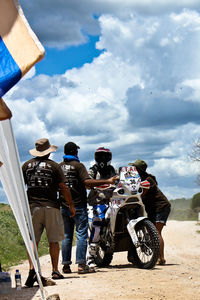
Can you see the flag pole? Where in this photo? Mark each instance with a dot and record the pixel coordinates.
(6, 114)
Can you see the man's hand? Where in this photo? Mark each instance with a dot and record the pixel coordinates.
(73, 211)
(112, 180)
(89, 183)
(68, 198)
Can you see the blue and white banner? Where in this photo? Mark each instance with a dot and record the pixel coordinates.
(20, 49)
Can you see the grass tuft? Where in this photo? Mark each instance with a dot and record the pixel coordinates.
(12, 247)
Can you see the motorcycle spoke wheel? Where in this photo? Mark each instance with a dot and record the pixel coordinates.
(146, 255)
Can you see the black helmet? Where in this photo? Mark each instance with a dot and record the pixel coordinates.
(103, 157)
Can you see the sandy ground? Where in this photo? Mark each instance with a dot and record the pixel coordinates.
(179, 279)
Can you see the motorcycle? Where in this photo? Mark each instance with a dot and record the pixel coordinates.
(124, 224)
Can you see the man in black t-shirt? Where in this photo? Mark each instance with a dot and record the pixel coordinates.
(44, 178)
(77, 179)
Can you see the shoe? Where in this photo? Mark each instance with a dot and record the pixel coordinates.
(91, 262)
(161, 262)
(66, 269)
(56, 275)
(84, 269)
(32, 278)
(47, 281)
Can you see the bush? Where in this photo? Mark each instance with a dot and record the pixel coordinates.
(195, 202)
(181, 210)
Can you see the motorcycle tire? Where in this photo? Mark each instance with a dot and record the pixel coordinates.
(103, 259)
(146, 255)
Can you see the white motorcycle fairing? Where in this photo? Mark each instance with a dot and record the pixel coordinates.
(131, 229)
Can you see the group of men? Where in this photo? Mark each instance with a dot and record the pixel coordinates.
(45, 180)
(58, 202)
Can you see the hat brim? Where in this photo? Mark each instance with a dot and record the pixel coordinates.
(132, 164)
(137, 167)
(34, 152)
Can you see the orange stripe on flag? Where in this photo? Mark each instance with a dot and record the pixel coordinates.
(21, 44)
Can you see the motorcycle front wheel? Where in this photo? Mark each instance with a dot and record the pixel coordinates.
(146, 254)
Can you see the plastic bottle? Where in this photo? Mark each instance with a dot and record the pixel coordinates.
(18, 281)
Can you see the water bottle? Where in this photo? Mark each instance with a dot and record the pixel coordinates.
(18, 282)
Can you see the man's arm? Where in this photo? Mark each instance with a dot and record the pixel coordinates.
(68, 198)
(89, 183)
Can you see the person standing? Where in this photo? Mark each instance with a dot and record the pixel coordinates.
(156, 203)
(44, 178)
(77, 180)
(102, 169)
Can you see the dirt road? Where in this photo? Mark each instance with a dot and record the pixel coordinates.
(179, 279)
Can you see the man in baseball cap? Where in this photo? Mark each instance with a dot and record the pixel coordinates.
(156, 203)
(70, 147)
(139, 164)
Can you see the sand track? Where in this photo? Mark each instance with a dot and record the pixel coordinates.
(179, 279)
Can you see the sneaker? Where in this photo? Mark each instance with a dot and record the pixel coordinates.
(93, 248)
(66, 269)
(91, 262)
(84, 269)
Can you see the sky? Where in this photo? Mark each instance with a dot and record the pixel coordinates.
(121, 74)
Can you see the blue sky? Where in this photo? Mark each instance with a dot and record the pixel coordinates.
(57, 61)
(121, 74)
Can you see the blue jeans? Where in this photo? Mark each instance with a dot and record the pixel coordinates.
(81, 222)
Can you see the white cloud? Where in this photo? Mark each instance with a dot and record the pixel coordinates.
(134, 98)
(73, 18)
(174, 167)
(175, 192)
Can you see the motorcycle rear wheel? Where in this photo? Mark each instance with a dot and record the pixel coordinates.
(103, 259)
(146, 255)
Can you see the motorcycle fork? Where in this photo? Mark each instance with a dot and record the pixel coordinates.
(131, 229)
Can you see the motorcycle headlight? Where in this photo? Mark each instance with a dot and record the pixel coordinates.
(121, 191)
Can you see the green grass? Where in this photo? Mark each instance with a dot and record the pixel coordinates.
(12, 247)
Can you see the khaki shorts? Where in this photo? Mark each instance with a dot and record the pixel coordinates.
(49, 218)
